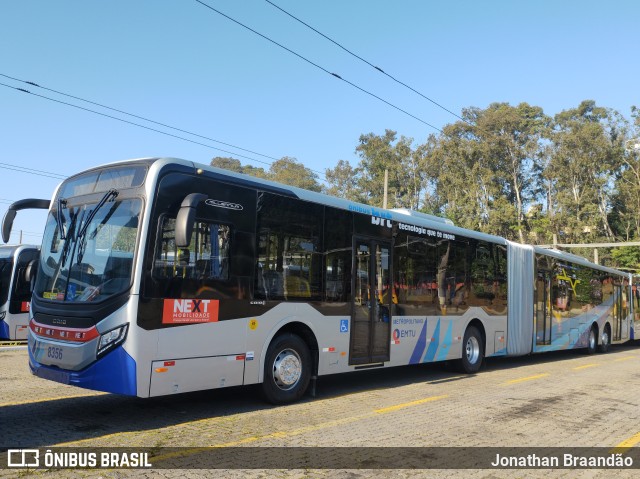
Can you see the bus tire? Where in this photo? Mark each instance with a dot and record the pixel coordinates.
(592, 342)
(472, 351)
(287, 369)
(605, 339)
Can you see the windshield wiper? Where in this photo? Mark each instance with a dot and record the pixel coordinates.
(59, 218)
(111, 194)
(67, 243)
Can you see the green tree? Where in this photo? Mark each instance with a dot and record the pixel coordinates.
(406, 173)
(587, 156)
(463, 185)
(290, 171)
(625, 214)
(627, 257)
(233, 164)
(226, 163)
(511, 141)
(342, 181)
(485, 167)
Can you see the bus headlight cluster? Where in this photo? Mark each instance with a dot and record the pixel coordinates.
(111, 339)
(2, 315)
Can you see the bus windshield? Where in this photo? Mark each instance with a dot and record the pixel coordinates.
(5, 277)
(88, 248)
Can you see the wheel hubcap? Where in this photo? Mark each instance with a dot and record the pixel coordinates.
(472, 350)
(287, 369)
(605, 338)
(592, 339)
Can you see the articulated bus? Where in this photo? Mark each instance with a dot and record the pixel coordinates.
(161, 276)
(15, 291)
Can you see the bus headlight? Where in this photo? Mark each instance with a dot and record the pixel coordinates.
(2, 315)
(111, 339)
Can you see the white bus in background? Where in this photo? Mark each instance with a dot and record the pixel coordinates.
(161, 276)
(15, 293)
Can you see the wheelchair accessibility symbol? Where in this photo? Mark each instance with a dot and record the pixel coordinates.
(344, 325)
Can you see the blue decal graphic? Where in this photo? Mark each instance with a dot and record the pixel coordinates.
(433, 346)
(420, 345)
(344, 325)
(448, 339)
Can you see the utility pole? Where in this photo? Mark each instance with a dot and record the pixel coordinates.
(386, 183)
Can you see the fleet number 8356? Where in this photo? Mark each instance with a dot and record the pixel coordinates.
(54, 353)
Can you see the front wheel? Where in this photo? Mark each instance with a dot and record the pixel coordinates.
(287, 369)
(472, 351)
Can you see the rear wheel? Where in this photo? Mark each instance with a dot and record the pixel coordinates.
(472, 351)
(593, 341)
(287, 369)
(605, 339)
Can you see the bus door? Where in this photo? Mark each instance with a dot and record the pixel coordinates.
(20, 295)
(372, 298)
(627, 318)
(543, 308)
(618, 312)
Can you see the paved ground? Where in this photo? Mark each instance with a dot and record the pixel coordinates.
(556, 400)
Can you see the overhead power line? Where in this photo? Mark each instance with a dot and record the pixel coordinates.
(31, 171)
(366, 61)
(235, 154)
(130, 122)
(317, 66)
(138, 116)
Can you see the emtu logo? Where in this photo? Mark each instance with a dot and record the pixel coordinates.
(177, 311)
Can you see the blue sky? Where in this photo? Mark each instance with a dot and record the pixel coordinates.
(179, 63)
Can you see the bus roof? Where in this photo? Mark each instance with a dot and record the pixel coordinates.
(400, 215)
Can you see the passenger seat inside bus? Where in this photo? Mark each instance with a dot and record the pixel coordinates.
(117, 273)
(273, 284)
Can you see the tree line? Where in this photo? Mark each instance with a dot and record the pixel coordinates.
(511, 171)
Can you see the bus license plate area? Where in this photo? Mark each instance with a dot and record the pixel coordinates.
(63, 355)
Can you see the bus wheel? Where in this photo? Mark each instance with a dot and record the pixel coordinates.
(287, 369)
(605, 339)
(472, 351)
(593, 341)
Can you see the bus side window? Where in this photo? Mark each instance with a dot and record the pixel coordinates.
(289, 260)
(338, 239)
(190, 272)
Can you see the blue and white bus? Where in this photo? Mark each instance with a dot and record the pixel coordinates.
(15, 291)
(161, 276)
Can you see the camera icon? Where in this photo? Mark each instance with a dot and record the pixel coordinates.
(23, 458)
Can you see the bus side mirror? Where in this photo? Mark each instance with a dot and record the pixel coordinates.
(10, 215)
(7, 223)
(30, 271)
(185, 218)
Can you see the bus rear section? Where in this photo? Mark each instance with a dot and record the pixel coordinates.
(15, 290)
